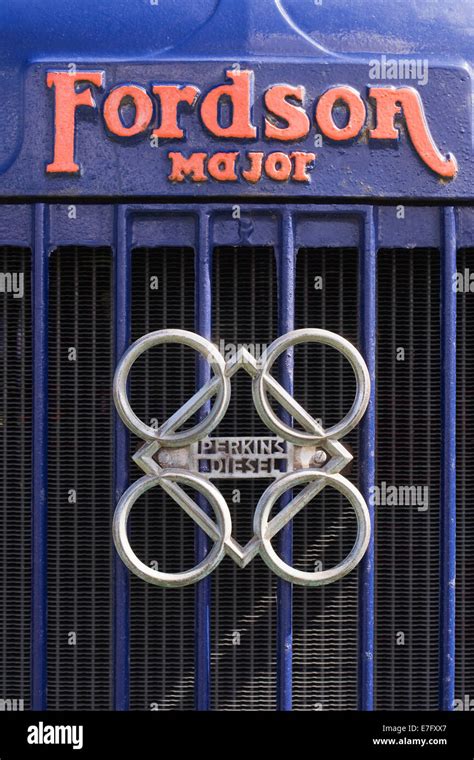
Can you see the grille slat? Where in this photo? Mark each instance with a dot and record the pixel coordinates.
(408, 445)
(243, 653)
(161, 620)
(325, 619)
(80, 479)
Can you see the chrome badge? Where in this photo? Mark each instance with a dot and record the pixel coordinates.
(171, 458)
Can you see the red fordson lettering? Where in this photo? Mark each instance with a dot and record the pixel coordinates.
(167, 110)
(392, 101)
(296, 118)
(240, 95)
(170, 96)
(142, 103)
(355, 107)
(66, 102)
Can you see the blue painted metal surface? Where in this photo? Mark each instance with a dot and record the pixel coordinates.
(368, 334)
(403, 28)
(95, 225)
(39, 507)
(122, 320)
(203, 275)
(132, 167)
(91, 29)
(448, 462)
(290, 41)
(286, 306)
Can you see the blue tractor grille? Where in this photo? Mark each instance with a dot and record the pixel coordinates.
(247, 289)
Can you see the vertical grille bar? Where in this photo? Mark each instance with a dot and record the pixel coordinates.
(122, 320)
(448, 463)
(286, 311)
(465, 484)
(40, 464)
(203, 589)
(368, 329)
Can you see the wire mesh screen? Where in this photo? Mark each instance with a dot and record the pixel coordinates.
(465, 481)
(161, 620)
(408, 467)
(243, 651)
(15, 491)
(80, 499)
(243, 624)
(325, 619)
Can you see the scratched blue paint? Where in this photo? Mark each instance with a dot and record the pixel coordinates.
(368, 332)
(90, 28)
(39, 507)
(407, 28)
(122, 327)
(286, 312)
(420, 227)
(203, 318)
(448, 463)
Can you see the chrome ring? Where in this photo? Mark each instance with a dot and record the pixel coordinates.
(222, 391)
(222, 530)
(269, 555)
(261, 382)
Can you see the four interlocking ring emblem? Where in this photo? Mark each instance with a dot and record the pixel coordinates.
(309, 434)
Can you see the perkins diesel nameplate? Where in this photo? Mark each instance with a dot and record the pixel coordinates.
(305, 454)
